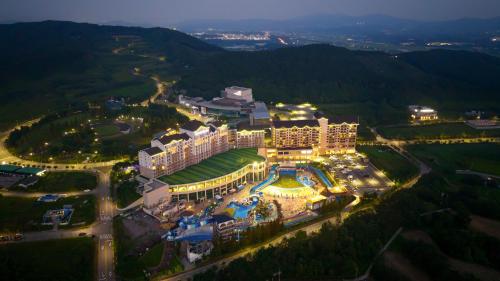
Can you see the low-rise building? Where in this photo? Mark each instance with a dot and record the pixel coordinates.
(155, 193)
(422, 113)
(224, 227)
(238, 93)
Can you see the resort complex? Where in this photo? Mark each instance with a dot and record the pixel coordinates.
(201, 161)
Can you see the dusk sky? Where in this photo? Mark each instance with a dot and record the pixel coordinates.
(174, 11)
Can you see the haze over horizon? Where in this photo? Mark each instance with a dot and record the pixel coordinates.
(160, 12)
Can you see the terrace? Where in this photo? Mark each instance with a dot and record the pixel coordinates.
(214, 167)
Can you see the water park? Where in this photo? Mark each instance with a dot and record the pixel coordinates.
(292, 187)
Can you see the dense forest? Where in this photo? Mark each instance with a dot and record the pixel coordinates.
(328, 74)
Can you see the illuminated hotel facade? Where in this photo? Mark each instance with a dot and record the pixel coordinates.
(301, 140)
(293, 141)
(194, 143)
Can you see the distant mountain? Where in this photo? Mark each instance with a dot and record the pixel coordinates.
(355, 25)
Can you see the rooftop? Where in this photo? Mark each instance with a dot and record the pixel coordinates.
(29, 171)
(295, 123)
(245, 125)
(237, 88)
(350, 119)
(192, 125)
(260, 111)
(152, 185)
(8, 168)
(153, 150)
(169, 138)
(214, 167)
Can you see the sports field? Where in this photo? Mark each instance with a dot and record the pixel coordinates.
(214, 167)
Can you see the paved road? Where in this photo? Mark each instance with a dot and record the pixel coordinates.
(104, 227)
(160, 89)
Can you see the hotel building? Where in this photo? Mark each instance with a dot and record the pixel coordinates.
(194, 143)
(293, 141)
(300, 140)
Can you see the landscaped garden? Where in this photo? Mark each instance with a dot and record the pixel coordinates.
(126, 193)
(396, 167)
(435, 131)
(216, 166)
(63, 259)
(91, 135)
(25, 214)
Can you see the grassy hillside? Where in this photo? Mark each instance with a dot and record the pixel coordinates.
(51, 65)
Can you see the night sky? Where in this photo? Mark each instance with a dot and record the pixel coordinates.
(161, 12)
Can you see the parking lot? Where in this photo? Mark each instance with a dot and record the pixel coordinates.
(357, 174)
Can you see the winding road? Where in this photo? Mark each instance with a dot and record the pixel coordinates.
(102, 228)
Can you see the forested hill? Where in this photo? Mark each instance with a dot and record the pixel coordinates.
(46, 46)
(323, 73)
(53, 65)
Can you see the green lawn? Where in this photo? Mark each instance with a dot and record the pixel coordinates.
(64, 259)
(174, 267)
(215, 166)
(106, 130)
(63, 182)
(436, 131)
(480, 157)
(396, 167)
(287, 181)
(126, 194)
(130, 266)
(25, 214)
(152, 258)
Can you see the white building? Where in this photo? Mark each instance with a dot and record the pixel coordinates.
(238, 93)
(422, 113)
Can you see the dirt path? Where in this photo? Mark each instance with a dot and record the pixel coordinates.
(487, 226)
(403, 265)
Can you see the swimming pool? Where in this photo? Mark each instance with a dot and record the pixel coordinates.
(241, 211)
